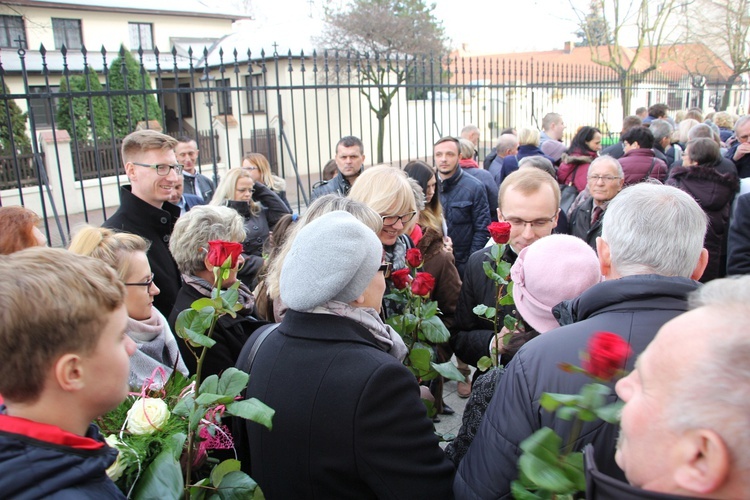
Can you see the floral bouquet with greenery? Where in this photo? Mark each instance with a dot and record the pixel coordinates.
(166, 433)
(419, 324)
(547, 469)
(499, 272)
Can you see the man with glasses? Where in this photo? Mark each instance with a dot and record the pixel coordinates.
(605, 180)
(464, 200)
(529, 200)
(198, 184)
(739, 153)
(153, 171)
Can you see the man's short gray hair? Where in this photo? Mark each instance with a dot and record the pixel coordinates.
(718, 396)
(740, 122)
(612, 161)
(654, 229)
(193, 231)
(506, 142)
(661, 128)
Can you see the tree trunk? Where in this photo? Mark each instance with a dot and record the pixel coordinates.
(626, 96)
(727, 92)
(381, 136)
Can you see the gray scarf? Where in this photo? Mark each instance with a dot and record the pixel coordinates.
(385, 336)
(157, 348)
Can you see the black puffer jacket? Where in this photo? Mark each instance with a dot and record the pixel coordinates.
(634, 307)
(338, 185)
(467, 213)
(43, 461)
(714, 192)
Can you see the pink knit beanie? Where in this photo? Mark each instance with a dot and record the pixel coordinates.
(552, 269)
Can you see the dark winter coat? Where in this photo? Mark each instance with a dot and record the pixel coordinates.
(743, 164)
(206, 185)
(510, 162)
(338, 185)
(43, 461)
(155, 224)
(487, 180)
(637, 163)
(471, 334)
(634, 307)
(230, 335)
(580, 225)
(714, 192)
(441, 265)
(467, 214)
(738, 252)
(349, 422)
(257, 228)
(574, 167)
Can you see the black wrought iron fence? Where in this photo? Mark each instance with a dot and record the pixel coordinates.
(292, 108)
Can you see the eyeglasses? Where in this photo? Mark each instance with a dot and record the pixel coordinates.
(161, 169)
(535, 224)
(390, 220)
(252, 167)
(605, 178)
(147, 284)
(386, 268)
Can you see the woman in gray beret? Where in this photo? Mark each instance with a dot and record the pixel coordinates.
(349, 421)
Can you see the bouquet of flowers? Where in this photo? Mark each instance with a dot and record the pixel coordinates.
(165, 433)
(547, 469)
(419, 324)
(500, 274)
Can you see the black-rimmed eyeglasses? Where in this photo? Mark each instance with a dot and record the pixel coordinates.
(161, 169)
(389, 220)
(147, 284)
(386, 268)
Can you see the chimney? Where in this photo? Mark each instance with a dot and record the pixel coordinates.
(568, 49)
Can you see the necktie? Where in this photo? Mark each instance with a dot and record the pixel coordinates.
(596, 214)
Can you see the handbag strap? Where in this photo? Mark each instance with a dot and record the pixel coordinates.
(573, 174)
(245, 360)
(653, 162)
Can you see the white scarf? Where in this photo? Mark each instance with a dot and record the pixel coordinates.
(157, 348)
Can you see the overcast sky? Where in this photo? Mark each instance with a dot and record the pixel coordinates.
(487, 26)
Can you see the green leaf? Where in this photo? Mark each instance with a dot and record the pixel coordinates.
(610, 413)
(484, 363)
(552, 401)
(161, 479)
(229, 298)
(510, 322)
(568, 412)
(430, 309)
(205, 303)
(420, 359)
(448, 370)
(491, 274)
(545, 475)
(572, 466)
(225, 272)
(195, 321)
(506, 300)
(198, 339)
(253, 409)
(521, 493)
(235, 485)
(221, 470)
(594, 395)
(210, 384)
(544, 444)
(199, 490)
(503, 269)
(208, 399)
(435, 331)
(183, 406)
(491, 313)
(495, 252)
(480, 309)
(232, 382)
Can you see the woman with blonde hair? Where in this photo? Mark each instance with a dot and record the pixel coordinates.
(260, 171)
(259, 206)
(149, 329)
(528, 145)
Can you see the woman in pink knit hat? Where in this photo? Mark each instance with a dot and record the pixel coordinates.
(553, 269)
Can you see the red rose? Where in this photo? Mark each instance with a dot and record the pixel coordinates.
(500, 232)
(219, 251)
(423, 284)
(607, 353)
(401, 278)
(414, 257)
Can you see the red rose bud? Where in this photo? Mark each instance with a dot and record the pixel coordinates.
(607, 353)
(401, 278)
(414, 257)
(219, 251)
(423, 284)
(500, 232)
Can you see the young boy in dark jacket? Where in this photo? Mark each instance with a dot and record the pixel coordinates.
(64, 360)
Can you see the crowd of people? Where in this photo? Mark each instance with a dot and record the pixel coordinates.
(636, 238)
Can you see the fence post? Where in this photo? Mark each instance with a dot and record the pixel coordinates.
(58, 162)
(228, 132)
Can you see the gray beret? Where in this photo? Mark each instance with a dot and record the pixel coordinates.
(333, 257)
